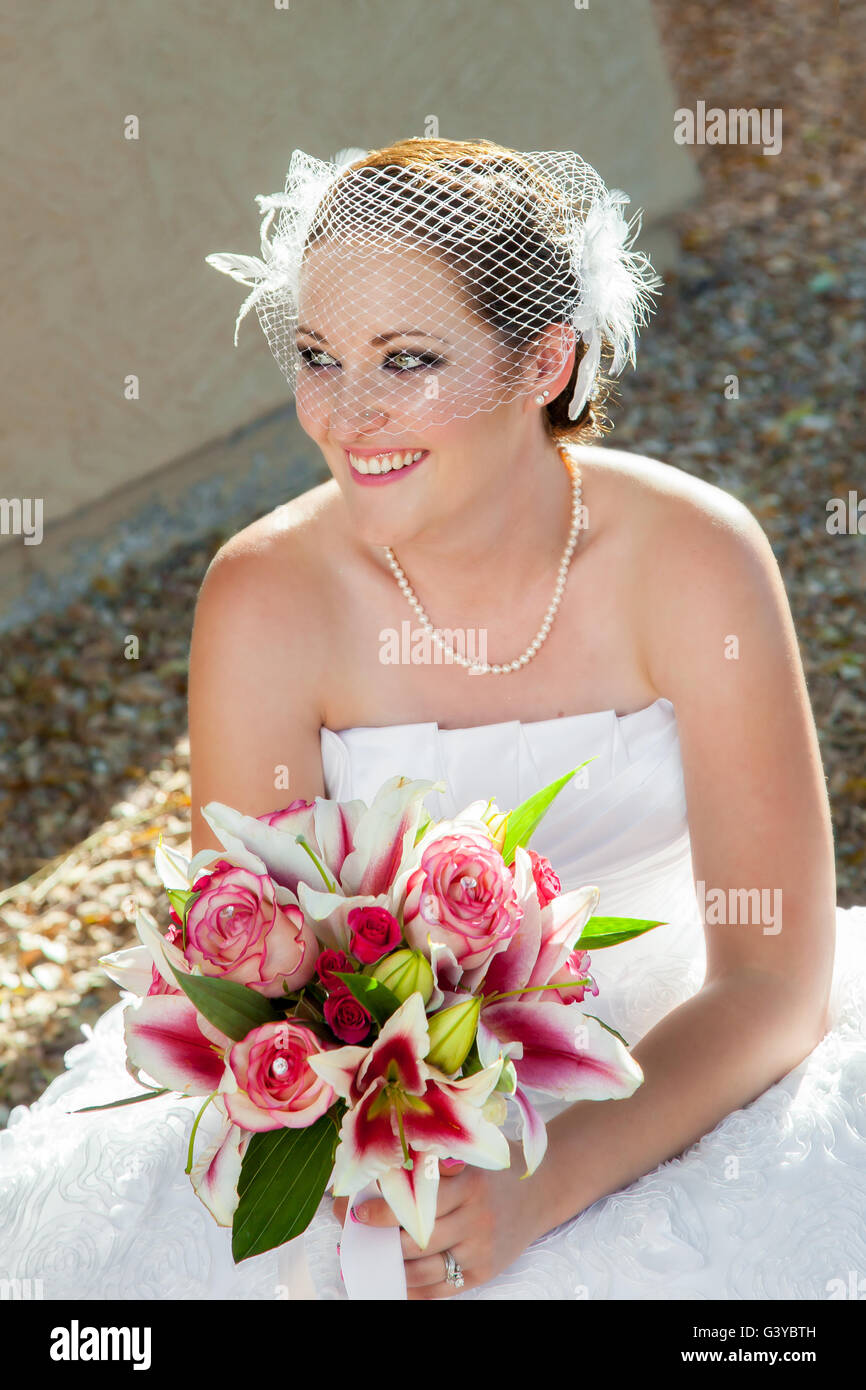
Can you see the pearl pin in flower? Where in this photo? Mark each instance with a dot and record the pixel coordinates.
(280, 1066)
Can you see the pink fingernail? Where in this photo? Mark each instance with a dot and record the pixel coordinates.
(451, 1162)
(355, 1217)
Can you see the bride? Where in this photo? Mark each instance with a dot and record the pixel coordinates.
(441, 311)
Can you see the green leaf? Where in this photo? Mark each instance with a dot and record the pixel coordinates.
(182, 900)
(472, 1062)
(524, 820)
(611, 931)
(376, 998)
(234, 1009)
(128, 1100)
(283, 1176)
(179, 898)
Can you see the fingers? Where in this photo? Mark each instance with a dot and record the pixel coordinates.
(451, 1167)
(376, 1212)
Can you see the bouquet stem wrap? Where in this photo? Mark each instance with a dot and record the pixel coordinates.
(371, 1257)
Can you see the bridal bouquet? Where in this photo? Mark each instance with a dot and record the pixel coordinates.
(358, 992)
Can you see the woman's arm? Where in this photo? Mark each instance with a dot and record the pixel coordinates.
(720, 644)
(255, 676)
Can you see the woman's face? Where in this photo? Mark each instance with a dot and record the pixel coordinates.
(401, 386)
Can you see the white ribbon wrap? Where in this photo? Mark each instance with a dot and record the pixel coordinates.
(371, 1257)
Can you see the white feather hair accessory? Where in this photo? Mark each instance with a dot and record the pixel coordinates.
(520, 241)
(617, 285)
(279, 267)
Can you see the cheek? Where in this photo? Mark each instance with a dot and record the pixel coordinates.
(311, 408)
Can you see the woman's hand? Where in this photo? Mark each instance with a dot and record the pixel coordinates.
(486, 1219)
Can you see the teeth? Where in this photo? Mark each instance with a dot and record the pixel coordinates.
(385, 463)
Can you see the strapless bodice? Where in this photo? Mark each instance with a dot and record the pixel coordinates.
(621, 824)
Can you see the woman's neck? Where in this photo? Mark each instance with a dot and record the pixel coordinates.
(508, 537)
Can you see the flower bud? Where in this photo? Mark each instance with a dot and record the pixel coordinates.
(405, 972)
(452, 1033)
(497, 823)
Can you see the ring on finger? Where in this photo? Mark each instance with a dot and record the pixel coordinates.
(453, 1272)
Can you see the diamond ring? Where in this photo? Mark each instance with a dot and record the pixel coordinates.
(453, 1272)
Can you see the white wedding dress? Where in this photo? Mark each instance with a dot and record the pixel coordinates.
(771, 1204)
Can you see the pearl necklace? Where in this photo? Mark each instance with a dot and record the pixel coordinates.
(483, 668)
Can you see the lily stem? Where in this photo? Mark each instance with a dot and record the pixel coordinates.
(512, 993)
(188, 1168)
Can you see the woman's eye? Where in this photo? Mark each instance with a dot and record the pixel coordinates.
(406, 361)
(311, 356)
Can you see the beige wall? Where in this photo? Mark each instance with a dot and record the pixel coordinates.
(106, 237)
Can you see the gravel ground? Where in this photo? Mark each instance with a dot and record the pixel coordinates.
(770, 288)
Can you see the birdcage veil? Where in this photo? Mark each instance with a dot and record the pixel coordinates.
(418, 292)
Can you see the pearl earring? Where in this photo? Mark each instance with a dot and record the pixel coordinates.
(539, 400)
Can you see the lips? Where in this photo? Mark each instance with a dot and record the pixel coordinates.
(370, 467)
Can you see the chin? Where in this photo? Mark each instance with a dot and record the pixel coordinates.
(379, 525)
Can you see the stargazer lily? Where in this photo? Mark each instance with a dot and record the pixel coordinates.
(169, 1040)
(555, 1048)
(403, 1110)
(360, 847)
(217, 1167)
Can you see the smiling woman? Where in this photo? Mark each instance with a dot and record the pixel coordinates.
(672, 611)
(666, 662)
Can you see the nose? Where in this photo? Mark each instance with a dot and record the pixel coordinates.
(355, 416)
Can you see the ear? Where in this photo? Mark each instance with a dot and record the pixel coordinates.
(550, 368)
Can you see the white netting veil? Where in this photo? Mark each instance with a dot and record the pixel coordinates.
(422, 290)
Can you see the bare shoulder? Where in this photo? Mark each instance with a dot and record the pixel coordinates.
(701, 564)
(639, 488)
(266, 598)
(287, 546)
(275, 580)
(258, 663)
(670, 521)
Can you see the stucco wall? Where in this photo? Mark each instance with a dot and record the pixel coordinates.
(106, 236)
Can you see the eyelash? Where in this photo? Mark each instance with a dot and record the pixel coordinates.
(426, 360)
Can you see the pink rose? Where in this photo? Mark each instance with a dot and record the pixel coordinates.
(375, 932)
(463, 895)
(276, 1084)
(237, 930)
(547, 883)
(574, 969)
(328, 962)
(347, 1019)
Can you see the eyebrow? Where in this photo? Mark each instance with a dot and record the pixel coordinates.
(380, 338)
